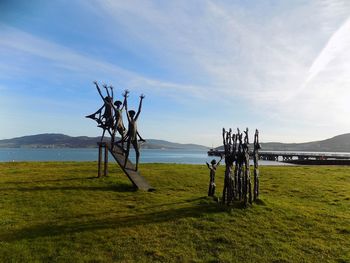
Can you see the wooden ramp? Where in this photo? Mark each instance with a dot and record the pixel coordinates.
(134, 176)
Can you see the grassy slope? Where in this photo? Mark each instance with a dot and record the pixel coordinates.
(59, 212)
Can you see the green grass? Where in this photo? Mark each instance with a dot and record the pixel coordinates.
(59, 212)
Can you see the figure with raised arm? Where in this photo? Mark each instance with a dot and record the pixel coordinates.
(239, 164)
(227, 194)
(111, 129)
(118, 118)
(247, 185)
(105, 120)
(212, 167)
(132, 134)
(108, 111)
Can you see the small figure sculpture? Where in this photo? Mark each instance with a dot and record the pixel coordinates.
(212, 169)
(131, 137)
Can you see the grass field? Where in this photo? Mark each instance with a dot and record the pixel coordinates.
(59, 212)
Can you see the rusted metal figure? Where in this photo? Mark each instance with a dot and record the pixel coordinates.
(237, 182)
(132, 134)
(239, 166)
(247, 185)
(230, 156)
(105, 120)
(118, 119)
(212, 167)
(257, 147)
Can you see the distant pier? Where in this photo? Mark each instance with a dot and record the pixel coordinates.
(316, 158)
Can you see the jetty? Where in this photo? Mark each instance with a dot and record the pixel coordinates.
(317, 158)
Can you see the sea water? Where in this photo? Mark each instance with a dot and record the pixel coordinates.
(91, 154)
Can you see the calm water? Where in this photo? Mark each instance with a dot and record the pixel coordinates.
(84, 154)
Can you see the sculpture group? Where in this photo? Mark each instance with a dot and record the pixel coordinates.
(237, 180)
(109, 117)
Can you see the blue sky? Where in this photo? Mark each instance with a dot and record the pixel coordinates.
(280, 66)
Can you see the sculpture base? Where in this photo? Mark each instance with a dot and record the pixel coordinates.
(118, 154)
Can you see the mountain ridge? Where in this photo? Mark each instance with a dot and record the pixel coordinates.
(58, 140)
(339, 143)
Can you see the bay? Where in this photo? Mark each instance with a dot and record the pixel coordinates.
(90, 154)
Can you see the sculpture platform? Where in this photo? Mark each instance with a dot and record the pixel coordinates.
(134, 176)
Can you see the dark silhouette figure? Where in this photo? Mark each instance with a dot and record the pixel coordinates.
(111, 129)
(237, 182)
(228, 191)
(212, 167)
(247, 185)
(257, 147)
(108, 108)
(132, 134)
(105, 120)
(239, 165)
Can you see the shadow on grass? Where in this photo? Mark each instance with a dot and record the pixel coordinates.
(50, 181)
(52, 229)
(120, 187)
(260, 202)
(202, 200)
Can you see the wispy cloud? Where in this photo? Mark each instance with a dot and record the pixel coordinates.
(338, 43)
(70, 60)
(233, 53)
(287, 65)
(327, 82)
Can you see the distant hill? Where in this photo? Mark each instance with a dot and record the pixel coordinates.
(340, 143)
(161, 144)
(53, 140)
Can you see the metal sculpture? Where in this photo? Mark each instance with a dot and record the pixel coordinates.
(132, 134)
(105, 120)
(257, 147)
(212, 167)
(112, 121)
(109, 117)
(118, 107)
(247, 185)
(237, 180)
(227, 195)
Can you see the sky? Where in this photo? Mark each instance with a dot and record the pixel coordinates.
(280, 66)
